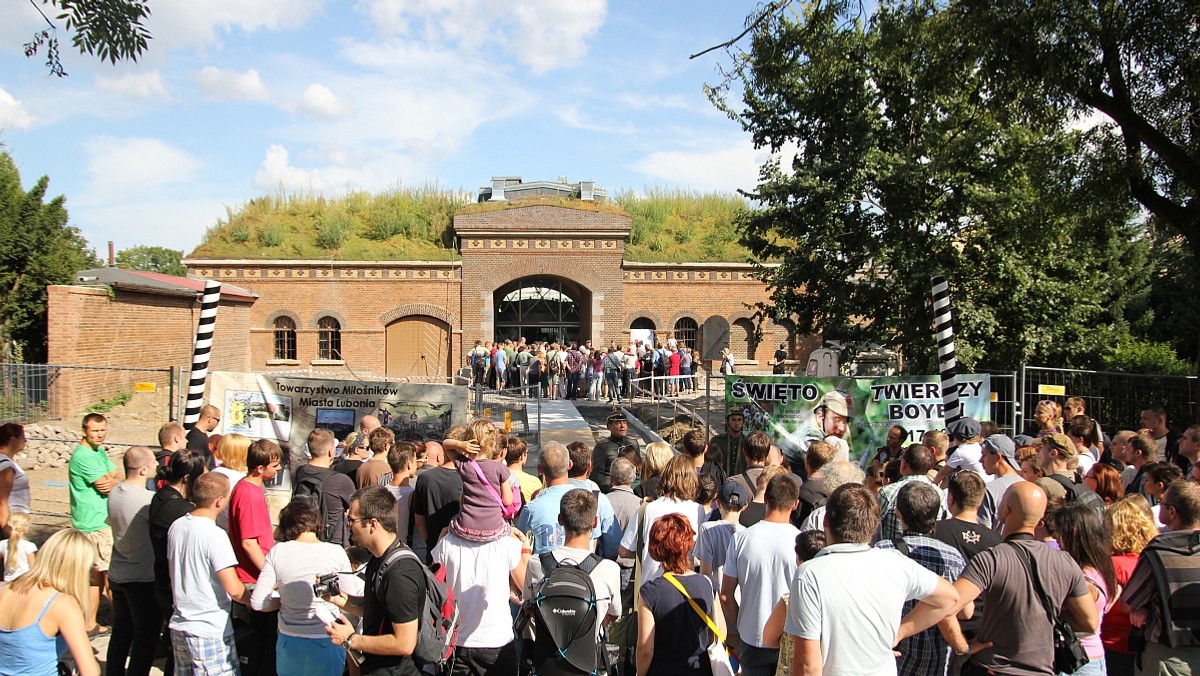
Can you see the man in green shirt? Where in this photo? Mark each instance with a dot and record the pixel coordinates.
(91, 475)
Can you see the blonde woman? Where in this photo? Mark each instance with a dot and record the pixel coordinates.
(1048, 416)
(1130, 528)
(677, 490)
(19, 554)
(231, 451)
(658, 454)
(48, 601)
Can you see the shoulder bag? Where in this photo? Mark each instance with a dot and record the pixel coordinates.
(1069, 654)
(718, 656)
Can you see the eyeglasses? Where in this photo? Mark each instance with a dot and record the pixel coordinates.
(352, 520)
(1164, 505)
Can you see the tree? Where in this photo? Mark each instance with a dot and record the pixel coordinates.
(152, 259)
(905, 166)
(113, 30)
(37, 248)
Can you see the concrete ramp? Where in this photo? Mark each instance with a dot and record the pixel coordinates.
(561, 422)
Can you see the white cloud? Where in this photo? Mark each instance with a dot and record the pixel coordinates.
(12, 113)
(231, 85)
(196, 23)
(724, 168)
(571, 116)
(147, 86)
(277, 173)
(541, 34)
(319, 101)
(129, 168)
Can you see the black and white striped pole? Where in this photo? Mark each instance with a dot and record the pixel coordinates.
(943, 323)
(204, 340)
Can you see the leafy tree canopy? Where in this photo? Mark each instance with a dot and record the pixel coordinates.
(899, 159)
(112, 30)
(37, 248)
(152, 259)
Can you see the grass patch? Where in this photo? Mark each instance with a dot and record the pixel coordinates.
(672, 226)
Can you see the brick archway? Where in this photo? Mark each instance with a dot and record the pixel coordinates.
(417, 309)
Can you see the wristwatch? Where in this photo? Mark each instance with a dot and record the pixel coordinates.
(348, 640)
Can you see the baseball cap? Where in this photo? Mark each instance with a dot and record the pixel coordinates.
(999, 443)
(734, 494)
(1023, 440)
(964, 428)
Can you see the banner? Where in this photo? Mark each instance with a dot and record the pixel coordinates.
(286, 408)
(854, 412)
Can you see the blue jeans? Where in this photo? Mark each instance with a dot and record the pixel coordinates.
(1093, 668)
(295, 656)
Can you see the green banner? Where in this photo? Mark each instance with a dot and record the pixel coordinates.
(852, 413)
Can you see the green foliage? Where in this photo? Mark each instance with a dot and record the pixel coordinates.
(106, 405)
(902, 170)
(680, 226)
(1134, 355)
(37, 248)
(417, 224)
(112, 30)
(152, 259)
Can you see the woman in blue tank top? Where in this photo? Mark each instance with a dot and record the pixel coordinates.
(46, 603)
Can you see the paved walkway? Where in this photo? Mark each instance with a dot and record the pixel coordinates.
(561, 422)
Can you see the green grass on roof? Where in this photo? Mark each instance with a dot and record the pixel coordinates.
(417, 224)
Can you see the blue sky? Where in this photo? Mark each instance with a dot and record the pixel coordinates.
(239, 98)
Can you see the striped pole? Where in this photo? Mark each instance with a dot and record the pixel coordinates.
(943, 323)
(204, 339)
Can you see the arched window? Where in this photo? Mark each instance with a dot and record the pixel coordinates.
(642, 323)
(285, 338)
(329, 338)
(685, 332)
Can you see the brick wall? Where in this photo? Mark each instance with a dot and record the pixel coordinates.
(124, 331)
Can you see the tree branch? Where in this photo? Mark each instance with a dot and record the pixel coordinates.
(771, 9)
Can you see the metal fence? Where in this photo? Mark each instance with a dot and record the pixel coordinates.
(33, 393)
(517, 410)
(1114, 399)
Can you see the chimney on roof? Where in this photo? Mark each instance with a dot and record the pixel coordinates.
(587, 191)
(497, 189)
(112, 255)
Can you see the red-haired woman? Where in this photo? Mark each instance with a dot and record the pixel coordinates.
(672, 637)
(1105, 481)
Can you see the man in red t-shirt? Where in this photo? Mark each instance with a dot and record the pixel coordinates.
(252, 536)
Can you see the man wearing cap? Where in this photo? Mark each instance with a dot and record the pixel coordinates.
(726, 448)
(830, 422)
(761, 562)
(999, 461)
(966, 452)
(606, 451)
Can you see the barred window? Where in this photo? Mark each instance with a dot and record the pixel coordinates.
(685, 332)
(285, 338)
(329, 338)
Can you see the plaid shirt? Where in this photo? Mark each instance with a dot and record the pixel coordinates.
(889, 524)
(927, 652)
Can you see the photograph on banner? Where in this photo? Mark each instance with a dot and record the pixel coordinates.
(286, 408)
(853, 414)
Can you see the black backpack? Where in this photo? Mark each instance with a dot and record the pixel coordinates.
(311, 488)
(564, 619)
(1082, 494)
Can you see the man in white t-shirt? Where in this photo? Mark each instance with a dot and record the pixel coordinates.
(845, 605)
(577, 514)
(204, 582)
(761, 562)
(479, 574)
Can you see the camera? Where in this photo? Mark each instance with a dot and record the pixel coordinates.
(327, 585)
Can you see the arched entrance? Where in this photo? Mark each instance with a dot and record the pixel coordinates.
(417, 345)
(540, 308)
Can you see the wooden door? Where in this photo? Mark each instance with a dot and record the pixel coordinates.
(417, 346)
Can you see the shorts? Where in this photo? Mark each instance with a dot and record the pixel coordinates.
(205, 656)
(296, 656)
(103, 539)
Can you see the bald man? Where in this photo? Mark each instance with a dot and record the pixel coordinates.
(136, 618)
(197, 437)
(1015, 624)
(368, 424)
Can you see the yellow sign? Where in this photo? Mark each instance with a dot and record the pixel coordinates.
(145, 387)
(508, 422)
(993, 398)
(487, 413)
(1053, 390)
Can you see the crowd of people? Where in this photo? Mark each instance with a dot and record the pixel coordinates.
(965, 551)
(571, 370)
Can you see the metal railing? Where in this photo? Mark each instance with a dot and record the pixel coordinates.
(1114, 399)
